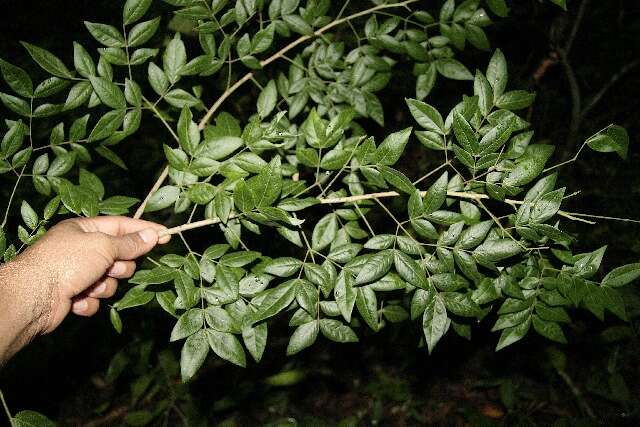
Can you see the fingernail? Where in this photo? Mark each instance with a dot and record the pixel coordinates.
(100, 289)
(116, 269)
(81, 305)
(148, 235)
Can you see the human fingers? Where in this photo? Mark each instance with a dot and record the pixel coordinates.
(103, 288)
(120, 225)
(122, 269)
(85, 306)
(133, 245)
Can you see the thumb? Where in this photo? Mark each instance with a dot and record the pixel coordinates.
(133, 245)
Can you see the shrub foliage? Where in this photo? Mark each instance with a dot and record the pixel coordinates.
(365, 244)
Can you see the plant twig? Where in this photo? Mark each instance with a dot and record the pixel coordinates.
(6, 409)
(576, 393)
(375, 196)
(156, 186)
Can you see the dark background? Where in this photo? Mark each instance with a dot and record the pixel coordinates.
(59, 375)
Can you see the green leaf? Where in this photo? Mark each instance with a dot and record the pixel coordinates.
(239, 259)
(409, 269)
(529, 165)
(392, 147)
(267, 99)
(201, 193)
(549, 330)
(111, 156)
(107, 125)
(497, 69)
(108, 35)
(133, 10)
(460, 304)
(434, 322)
(142, 32)
(267, 185)
(255, 339)
(297, 24)
(29, 216)
(263, 39)
(436, 194)
(108, 92)
(188, 132)
(622, 276)
(17, 79)
(31, 419)
(13, 139)
(220, 147)
(194, 353)
(397, 179)
(283, 267)
(426, 81)
(337, 331)
(304, 336)
(48, 61)
(62, 164)
(345, 294)
(324, 232)
(515, 100)
(465, 135)
(293, 205)
(377, 266)
(474, 235)
(496, 137)
(163, 198)
(180, 98)
(157, 79)
(499, 7)
(586, 265)
(612, 139)
(547, 206)
(174, 57)
(188, 324)
(453, 69)
(276, 300)
(227, 346)
(116, 205)
(78, 95)
(425, 115)
(497, 250)
(367, 305)
(513, 334)
(15, 104)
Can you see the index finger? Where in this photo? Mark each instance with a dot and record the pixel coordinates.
(121, 225)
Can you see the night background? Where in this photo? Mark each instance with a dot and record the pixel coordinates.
(386, 379)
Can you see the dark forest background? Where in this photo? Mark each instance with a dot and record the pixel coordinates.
(386, 380)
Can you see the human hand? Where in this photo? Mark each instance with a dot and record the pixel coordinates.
(76, 263)
(84, 258)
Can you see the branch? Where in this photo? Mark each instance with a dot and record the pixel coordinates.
(576, 26)
(375, 196)
(249, 76)
(576, 102)
(155, 187)
(614, 79)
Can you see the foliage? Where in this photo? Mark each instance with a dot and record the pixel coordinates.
(479, 234)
